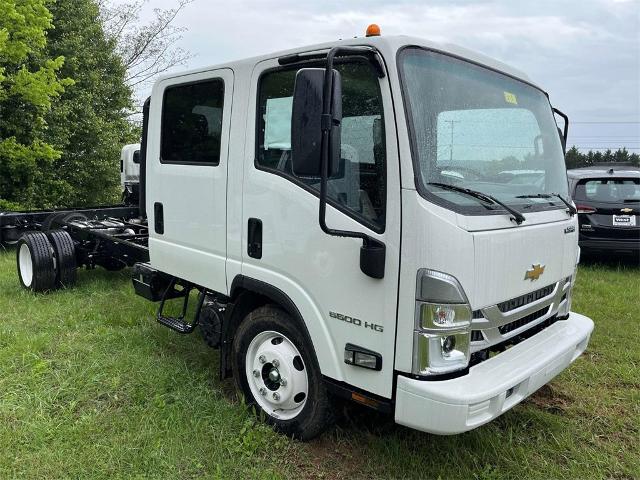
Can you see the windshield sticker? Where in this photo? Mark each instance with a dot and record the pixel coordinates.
(277, 131)
(510, 98)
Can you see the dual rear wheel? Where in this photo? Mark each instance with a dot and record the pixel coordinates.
(46, 261)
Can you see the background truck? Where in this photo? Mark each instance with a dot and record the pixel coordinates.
(340, 215)
(110, 236)
(130, 173)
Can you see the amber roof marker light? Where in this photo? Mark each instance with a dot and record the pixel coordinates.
(373, 30)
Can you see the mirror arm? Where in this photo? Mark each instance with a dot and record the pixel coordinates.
(565, 117)
(372, 253)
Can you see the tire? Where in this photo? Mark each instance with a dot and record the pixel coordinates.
(268, 339)
(65, 252)
(35, 262)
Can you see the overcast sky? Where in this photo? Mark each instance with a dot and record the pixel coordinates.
(584, 53)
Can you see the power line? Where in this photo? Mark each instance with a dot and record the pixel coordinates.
(604, 136)
(606, 148)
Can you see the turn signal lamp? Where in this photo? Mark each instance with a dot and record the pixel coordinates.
(362, 357)
(373, 30)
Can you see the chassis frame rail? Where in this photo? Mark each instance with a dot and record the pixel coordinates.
(13, 224)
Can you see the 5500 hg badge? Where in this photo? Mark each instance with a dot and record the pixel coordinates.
(357, 322)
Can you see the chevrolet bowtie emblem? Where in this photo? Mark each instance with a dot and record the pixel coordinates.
(626, 210)
(534, 273)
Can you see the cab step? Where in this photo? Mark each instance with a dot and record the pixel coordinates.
(179, 323)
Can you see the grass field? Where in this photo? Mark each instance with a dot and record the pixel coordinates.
(91, 386)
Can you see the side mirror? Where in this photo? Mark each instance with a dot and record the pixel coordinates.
(307, 122)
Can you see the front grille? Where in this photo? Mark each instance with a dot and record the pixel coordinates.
(485, 354)
(526, 299)
(476, 336)
(509, 327)
(477, 314)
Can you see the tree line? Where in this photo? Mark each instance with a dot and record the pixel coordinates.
(576, 159)
(68, 69)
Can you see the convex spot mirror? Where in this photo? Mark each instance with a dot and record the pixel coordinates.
(306, 123)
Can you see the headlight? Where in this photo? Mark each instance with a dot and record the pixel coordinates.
(443, 321)
(433, 315)
(438, 354)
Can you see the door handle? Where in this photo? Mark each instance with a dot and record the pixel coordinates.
(158, 217)
(254, 238)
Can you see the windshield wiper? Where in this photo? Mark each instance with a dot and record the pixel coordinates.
(631, 200)
(572, 209)
(517, 216)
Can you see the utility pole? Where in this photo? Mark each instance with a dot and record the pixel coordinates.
(452, 122)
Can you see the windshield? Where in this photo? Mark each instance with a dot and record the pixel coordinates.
(482, 130)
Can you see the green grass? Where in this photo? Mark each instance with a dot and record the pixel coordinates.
(91, 386)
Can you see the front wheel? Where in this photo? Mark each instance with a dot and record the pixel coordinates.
(277, 371)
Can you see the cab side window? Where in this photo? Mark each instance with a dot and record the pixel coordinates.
(192, 123)
(360, 187)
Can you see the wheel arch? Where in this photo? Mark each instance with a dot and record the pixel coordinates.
(246, 295)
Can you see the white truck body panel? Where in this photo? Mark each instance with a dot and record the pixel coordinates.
(296, 251)
(194, 198)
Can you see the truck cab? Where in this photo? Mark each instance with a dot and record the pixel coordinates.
(382, 218)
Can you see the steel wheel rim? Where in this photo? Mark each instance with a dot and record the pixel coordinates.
(26, 265)
(277, 375)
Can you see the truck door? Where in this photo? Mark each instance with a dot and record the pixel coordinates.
(187, 176)
(321, 273)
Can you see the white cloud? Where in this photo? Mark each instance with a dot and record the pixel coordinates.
(585, 53)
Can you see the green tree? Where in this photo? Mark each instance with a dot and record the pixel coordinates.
(88, 123)
(28, 84)
(575, 159)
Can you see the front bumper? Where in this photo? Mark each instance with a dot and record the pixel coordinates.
(493, 386)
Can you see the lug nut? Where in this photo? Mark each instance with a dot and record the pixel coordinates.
(275, 363)
(276, 396)
(262, 359)
(256, 373)
(263, 391)
(283, 382)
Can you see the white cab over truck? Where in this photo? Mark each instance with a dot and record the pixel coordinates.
(383, 218)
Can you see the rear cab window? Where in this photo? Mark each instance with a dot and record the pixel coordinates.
(192, 123)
